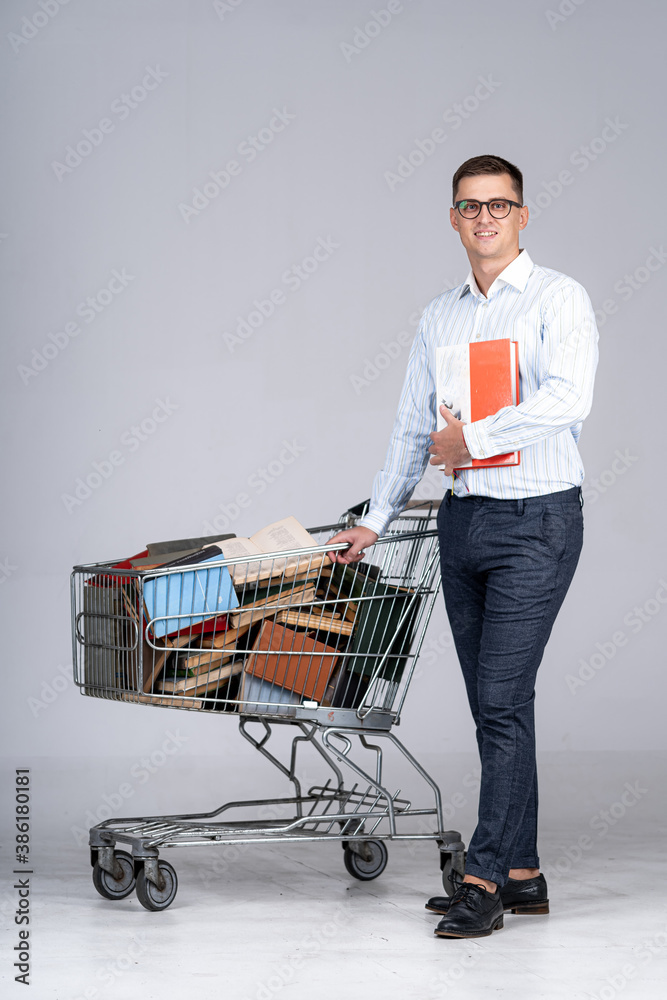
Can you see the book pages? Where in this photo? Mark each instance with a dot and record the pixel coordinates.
(280, 536)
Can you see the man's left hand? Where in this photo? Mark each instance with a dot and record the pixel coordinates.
(449, 447)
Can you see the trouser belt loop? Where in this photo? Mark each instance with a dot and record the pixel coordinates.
(520, 505)
(581, 498)
(448, 498)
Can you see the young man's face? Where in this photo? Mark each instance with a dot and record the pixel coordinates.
(486, 238)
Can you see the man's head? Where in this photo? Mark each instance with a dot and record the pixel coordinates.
(488, 165)
(488, 211)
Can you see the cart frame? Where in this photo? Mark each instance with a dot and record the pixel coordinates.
(362, 815)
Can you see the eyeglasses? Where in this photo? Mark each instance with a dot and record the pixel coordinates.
(499, 208)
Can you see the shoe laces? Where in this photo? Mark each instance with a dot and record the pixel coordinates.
(469, 893)
(455, 878)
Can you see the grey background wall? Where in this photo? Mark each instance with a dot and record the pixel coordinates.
(220, 222)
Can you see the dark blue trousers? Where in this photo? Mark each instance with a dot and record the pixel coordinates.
(506, 568)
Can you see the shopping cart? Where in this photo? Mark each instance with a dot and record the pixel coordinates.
(280, 639)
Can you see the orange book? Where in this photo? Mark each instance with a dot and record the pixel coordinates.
(291, 660)
(475, 381)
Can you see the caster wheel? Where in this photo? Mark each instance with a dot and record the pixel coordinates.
(352, 829)
(148, 893)
(112, 888)
(366, 870)
(451, 864)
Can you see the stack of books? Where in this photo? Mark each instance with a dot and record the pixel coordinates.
(244, 624)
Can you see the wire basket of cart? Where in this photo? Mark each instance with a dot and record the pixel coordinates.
(278, 636)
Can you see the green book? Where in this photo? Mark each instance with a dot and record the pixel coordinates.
(385, 623)
(378, 628)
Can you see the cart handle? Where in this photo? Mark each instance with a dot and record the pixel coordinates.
(86, 643)
(391, 536)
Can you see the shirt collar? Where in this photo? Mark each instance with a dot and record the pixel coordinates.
(516, 274)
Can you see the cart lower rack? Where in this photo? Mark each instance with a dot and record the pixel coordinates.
(282, 639)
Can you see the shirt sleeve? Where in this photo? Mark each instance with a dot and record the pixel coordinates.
(407, 455)
(565, 392)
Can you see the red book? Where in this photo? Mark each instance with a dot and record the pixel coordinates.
(475, 381)
(112, 579)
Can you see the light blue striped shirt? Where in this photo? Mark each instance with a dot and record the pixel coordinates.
(552, 319)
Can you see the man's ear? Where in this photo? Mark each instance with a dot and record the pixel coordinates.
(454, 219)
(523, 217)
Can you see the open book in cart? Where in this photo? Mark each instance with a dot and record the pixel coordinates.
(174, 602)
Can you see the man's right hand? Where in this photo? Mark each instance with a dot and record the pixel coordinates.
(358, 539)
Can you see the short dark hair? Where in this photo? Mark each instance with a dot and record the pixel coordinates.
(488, 165)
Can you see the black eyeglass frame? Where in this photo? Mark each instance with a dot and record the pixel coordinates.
(488, 204)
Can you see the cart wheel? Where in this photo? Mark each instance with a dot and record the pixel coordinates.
(366, 870)
(148, 893)
(451, 863)
(110, 887)
(352, 829)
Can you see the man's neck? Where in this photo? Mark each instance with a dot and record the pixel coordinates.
(486, 271)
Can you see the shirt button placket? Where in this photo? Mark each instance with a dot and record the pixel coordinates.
(480, 317)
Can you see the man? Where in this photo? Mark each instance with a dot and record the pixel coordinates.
(510, 537)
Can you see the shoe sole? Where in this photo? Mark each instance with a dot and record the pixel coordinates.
(452, 934)
(536, 908)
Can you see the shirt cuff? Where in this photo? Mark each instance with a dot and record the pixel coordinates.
(477, 440)
(376, 521)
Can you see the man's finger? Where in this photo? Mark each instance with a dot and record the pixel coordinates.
(347, 557)
(336, 554)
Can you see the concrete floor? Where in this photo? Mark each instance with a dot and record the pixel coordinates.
(267, 921)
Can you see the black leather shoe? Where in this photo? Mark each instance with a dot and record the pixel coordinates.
(519, 895)
(473, 912)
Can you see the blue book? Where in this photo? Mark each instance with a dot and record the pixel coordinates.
(193, 594)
